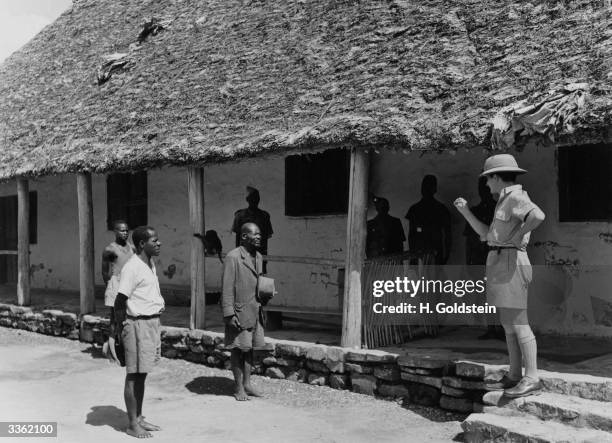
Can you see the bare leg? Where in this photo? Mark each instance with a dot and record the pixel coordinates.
(140, 388)
(237, 360)
(248, 367)
(131, 404)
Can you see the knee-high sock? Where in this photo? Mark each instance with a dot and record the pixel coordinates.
(514, 354)
(529, 349)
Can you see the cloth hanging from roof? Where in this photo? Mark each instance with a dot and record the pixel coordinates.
(548, 116)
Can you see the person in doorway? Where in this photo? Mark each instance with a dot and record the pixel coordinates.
(476, 250)
(508, 268)
(430, 223)
(138, 307)
(242, 311)
(385, 234)
(252, 214)
(114, 256)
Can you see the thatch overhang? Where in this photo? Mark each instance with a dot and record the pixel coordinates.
(229, 79)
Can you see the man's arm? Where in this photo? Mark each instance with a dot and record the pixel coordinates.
(479, 227)
(120, 314)
(108, 257)
(446, 230)
(269, 225)
(534, 218)
(228, 295)
(411, 231)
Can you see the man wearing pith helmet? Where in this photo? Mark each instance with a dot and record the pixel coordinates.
(509, 269)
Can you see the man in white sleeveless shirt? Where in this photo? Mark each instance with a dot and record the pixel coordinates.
(138, 306)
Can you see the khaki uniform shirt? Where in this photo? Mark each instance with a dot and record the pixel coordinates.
(512, 208)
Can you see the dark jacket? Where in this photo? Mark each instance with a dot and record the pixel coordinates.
(240, 286)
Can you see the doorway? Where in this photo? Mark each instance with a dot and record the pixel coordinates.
(8, 234)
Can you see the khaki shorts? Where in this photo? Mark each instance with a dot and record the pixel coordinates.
(142, 342)
(508, 276)
(245, 339)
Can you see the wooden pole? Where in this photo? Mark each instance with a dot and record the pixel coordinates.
(23, 242)
(86, 243)
(355, 247)
(196, 221)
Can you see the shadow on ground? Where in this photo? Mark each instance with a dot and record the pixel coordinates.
(434, 414)
(94, 351)
(107, 416)
(460, 437)
(211, 386)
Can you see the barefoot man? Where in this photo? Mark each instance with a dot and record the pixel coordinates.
(509, 270)
(241, 310)
(115, 255)
(137, 309)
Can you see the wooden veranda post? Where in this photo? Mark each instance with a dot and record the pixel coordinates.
(86, 243)
(355, 247)
(23, 242)
(196, 221)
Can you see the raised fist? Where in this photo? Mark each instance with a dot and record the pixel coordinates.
(460, 203)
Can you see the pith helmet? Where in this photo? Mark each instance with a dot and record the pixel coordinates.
(501, 163)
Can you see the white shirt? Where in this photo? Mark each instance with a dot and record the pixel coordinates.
(140, 285)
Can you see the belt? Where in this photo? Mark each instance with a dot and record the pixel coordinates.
(143, 317)
(499, 248)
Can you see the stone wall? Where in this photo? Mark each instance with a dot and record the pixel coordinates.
(419, 379)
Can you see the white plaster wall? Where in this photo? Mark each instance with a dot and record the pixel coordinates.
(564, 297)
(54, 259)
(297, 285)
(55, 262)
(574, 298)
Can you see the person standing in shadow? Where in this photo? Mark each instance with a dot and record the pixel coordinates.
(385, 234)
(430, 223)
(252, 214)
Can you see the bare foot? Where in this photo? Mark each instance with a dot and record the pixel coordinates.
(252, 391)
(148, 426)
(138, 431)
(241, 395)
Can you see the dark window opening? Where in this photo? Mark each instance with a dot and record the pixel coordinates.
(8, 221)
(317, 184)
(585, 183)
(126, 199)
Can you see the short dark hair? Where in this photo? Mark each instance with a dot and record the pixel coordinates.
(507, 176)
(120, 222)
(142, 233)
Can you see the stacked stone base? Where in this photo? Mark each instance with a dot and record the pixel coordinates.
(451, 385)
(454, 386)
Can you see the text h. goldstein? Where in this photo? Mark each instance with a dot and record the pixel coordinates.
(440, 308)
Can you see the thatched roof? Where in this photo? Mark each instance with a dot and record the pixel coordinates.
(223, 79)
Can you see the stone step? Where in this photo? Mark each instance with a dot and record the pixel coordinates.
(567, 409)
(489, 427)
(580, 385)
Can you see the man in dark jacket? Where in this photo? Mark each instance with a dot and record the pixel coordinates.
(241, 308)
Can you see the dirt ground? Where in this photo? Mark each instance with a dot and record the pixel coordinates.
(52, 379)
